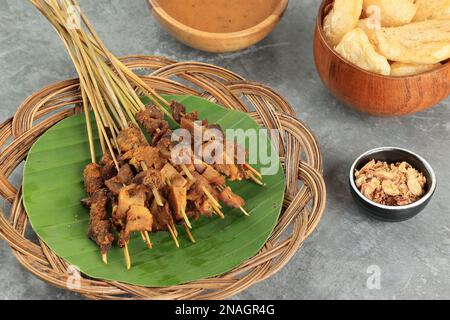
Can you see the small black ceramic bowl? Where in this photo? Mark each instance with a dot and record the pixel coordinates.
(393, 155)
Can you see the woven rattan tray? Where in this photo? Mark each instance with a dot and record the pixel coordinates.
(303, 205)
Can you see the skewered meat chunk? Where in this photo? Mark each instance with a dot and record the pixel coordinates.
(100, 227)
(153, 179)
(231, 199)
(125, 174)
(130, 138)
(197, 192)
(213, 176)
(178, 110)
(170, 174)
(161, 216)
(124, 177)
(230, 170)
(109, 169)
(138, 219)
(153, 121)
(114, 185)
(164, 145)
(146, 154)
(132, 195)
(178, 201)
(204, 206)
(93, 180)
(151, 111)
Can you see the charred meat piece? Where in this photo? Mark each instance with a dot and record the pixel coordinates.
(138, 219)
(231, 199)
(196, 191)
(109, 169)
(153, 179)
(178, 201)
(161, 216)
(153, 121)
(125, 174)
(130, 138)
(132, 195)
(100, 226)
(213, 176)
(226, 165)
(204, 207)
(139, 178)
(114, 185)
(158, 134)
(178, 110)
(124, 177)
(172, 176)
(144, 154)
(164, 145)
(151, 111)
(93, 180)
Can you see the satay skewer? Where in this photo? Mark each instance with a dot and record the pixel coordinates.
(183, 210)
(221, 188)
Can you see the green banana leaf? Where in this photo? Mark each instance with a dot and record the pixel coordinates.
(53, 187)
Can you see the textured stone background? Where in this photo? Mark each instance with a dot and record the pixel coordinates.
(413, 255)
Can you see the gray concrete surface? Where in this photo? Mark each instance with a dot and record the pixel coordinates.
(413, 256)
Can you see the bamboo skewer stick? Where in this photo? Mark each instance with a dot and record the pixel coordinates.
(187, 172)
(105, 257)
(191, 237)
(127, 256)
(174, 237)
(147, 240)
(211, 198)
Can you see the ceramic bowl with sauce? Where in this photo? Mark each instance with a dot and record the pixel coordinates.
(373, 93)
(219, 25)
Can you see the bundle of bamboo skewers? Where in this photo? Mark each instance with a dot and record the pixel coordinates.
(148, 191)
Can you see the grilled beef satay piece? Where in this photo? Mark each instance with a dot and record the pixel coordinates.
(109, 169)
(231, 199)
(162, 218)
(128, 196)
(130, 214)
(93, 180)
(150, 156)
(130, 138)
(152, 119)
(123, 178)
(177, 110)
(213, 176)
(100, 226)
(138, 219)
(196, 194)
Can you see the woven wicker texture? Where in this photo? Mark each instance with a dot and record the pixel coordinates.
(303, 205)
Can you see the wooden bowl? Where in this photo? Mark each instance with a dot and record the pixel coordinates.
(372, 93)
(218, 42)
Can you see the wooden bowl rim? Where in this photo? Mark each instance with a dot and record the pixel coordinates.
(272, 18)
(319, 30)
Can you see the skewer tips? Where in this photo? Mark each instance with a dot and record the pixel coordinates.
(127, 256)
(105, 257)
